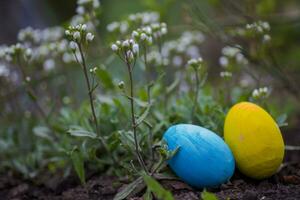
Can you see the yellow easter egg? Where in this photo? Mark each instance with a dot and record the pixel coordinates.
(255, 140)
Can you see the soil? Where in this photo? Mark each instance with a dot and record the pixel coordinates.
(283, 185)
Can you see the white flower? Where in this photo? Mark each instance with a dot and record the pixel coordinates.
(112, 26)
(80, 10)
(193, 51)
(255, 93)
(96, 3)
(28, 79)
(49, 65)
(83, 27)
(130, 55)
(28, 52)
(73, 45)
(149, 40)
(192, 62)
(67, 33)
(266, 26)
(223, 61)
(226, 74)
(148, 30)
(125, 43)
(164, 30)
(260, 93)
(240, 58)
(67, 57)
(76, 35)
(266, 38)
(144, 36)
(135, 34)
(118, 43)
(135, 49)
(89, 37)
(124, 27)
(230, 51)
(93, 70)
(114, 47)
(4, 70)
(131, 41)
(121, 84)
(264, 89)
(177, 61)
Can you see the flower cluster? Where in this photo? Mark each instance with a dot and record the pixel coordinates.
(143, 35)
(12, 52)
(138, 20)
(195, 63)
(260, 93)
(119, 27)
(144, 18)
(84, 5)
(159, 29)
(232, 55)
(226, 74)
(93, 70)
(187, 43)
(4, 70)
(147, 33)
(127, 49)
(87, 11)
(38, 36)
(259, 27)
(155, 58)
(186, 46)
(78, 34)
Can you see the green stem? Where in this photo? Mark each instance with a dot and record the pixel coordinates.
(195, 103)
(31, 92)
(90, 94)
(134, 125)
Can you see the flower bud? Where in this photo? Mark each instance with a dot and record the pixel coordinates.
(89, 37)
(121, 85)
(114, 47)
(76, 35)
(73, 45)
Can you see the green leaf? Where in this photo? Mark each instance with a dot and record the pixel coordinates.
(105, 78)
(78, 164)
(31, 95)
(43, 132)
(127, 139)
(157, 189)
(208, 196)
(173, 85)
(144, 115)
(129, 189)
(147, 195)
(79, 132)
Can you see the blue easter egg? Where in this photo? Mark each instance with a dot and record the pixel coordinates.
(203, 159)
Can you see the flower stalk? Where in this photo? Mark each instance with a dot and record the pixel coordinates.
(133, 120)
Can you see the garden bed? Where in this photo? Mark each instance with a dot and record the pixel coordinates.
(284, 185)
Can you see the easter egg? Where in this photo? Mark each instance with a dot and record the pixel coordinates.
(203, 158)
(255, 140)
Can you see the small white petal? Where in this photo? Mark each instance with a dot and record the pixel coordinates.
(114, 47)
(89, 37)
(73, 45)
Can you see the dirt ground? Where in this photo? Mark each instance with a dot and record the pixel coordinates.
(284, 185)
